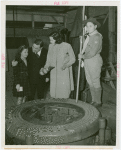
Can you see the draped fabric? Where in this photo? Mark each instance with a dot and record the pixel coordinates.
(76, 47)
(77, 30)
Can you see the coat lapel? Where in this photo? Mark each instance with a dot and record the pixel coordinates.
(23, 64)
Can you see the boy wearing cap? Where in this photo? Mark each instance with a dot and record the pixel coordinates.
(92, 59)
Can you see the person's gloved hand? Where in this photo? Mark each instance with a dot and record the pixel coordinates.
(14, 63)
(45, 70)
(18, 87)
(80, 56)
(41, 71)
(64, 67)
(47, 80)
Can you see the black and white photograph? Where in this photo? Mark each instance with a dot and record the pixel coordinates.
(61, 74)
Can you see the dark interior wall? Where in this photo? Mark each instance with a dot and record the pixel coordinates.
(97, 11)
(31, 34)
(104, 30)
(9, 73)
(105, 46)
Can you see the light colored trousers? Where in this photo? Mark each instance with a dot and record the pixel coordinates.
(93, 70)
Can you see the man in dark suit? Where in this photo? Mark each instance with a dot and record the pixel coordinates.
(36, 60)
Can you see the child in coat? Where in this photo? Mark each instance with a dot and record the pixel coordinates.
(21, 88)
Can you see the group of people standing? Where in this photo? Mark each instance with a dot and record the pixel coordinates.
(26, 66)
(35, 66)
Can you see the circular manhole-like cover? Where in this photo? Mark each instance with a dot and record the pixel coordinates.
(52, 113)
(52, 122)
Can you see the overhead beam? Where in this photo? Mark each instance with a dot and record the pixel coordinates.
(55, 19)
(65, 21)
(49, 9)
(35, 13)
(70, 9)
(101, 16)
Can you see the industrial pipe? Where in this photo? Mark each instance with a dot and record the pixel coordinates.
(102, 125)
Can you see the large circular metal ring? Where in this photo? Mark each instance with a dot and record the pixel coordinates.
(81, 127)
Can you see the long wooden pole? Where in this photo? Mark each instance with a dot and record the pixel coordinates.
(65, 25)
(77, 91)
(83, 18)
(81, 39)
(111, 26)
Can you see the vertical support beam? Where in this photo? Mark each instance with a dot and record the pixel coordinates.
(32, 21)
(111, 26)
(65, 21)
(102, 125)
(83, 18)
(16, 13)
(13, 23)
(65, 25)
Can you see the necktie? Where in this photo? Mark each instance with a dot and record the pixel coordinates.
(37, 55)
(84, 47)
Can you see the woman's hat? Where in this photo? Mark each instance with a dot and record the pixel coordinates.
(93, 20)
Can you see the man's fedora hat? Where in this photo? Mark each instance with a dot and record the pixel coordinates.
(93, 20)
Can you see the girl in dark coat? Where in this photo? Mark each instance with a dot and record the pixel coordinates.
(21, 88)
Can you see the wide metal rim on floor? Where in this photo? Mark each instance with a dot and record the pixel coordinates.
(21, 129)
